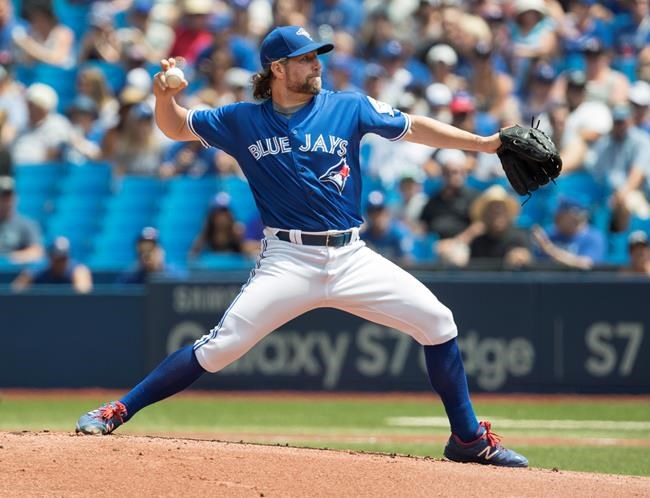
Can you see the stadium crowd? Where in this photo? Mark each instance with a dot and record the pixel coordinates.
(75, 90)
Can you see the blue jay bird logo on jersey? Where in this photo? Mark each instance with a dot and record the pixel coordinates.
(337, 175)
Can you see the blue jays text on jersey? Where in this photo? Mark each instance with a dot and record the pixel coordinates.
(282, 145)
(303, 170)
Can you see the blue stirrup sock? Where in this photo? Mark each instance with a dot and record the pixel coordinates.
(176, 372)
(447, 377)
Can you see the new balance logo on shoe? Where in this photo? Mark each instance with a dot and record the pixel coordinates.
(485, 452)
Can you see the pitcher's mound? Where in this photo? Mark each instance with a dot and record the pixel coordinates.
(63, 464)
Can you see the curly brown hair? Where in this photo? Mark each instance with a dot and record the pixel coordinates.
(262, 84)
(262, 81)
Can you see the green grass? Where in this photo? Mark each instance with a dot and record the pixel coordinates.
(310, 418)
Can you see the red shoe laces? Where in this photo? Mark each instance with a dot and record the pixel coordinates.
(492, 438)
(111, 410)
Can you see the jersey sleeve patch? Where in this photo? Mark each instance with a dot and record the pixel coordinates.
(381, 107)
(382, 119)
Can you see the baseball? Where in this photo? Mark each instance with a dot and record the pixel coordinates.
(174, 77)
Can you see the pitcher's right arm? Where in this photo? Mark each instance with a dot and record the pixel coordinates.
(171, 118)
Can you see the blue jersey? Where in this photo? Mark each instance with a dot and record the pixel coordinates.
(304, 170)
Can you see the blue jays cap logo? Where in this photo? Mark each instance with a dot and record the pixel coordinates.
(289, 41)
(337, 175)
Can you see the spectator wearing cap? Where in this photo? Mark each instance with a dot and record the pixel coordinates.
(621, 164)
(192, 33)
(577, 25)
(12, 102)
(20, 237)
(533, 37)
(501, 245)
(240, 82)
(100, 42)
(439, 96)
(639, 98)
(631, 27)
(214, 90)
(442, 61)
(288, 13)
(91, 82)
(374, 80)
(572, 242)
(220, 232)
(46, 39)
(492, 89)
(152, 39)
(392, 57)
(85, 139)
(346, 15)
(150, 259)
(136, 148)
(585, 124)
(638, 248)
(384, 233)
(188, 159)
(47, 132)
(412, 201)
(241, 50)
(604, 84)
(538, 97)
(340, 70)
(463, 111)
(60, 269)
(446, 213)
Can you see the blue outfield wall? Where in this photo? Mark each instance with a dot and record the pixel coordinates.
(54, 339)
(518, 333)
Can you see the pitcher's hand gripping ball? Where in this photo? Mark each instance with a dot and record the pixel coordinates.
(174, 77)
(529, 158)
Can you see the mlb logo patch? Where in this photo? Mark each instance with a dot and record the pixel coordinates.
(337, 175)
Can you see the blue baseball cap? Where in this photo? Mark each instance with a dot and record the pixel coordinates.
(289, 41)
(573, 204)
(59, 248)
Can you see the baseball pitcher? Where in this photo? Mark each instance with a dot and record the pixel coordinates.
(299, 149)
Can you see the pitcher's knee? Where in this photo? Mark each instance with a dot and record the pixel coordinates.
(216, 355)
(438, 327)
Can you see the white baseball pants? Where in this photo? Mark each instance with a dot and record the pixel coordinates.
(290, 279)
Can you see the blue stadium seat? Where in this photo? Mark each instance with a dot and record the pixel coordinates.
(482, 185)
(88, 179)
(617, 252)
(581, 184)
(424, 248)
(432, 185)
(187, 186)
(35, 206)
(64, 81)
(74, 15)
(221, 261)
(142, 187)
(539, 208)
(81, 205)
(637, 223)
(38, 178)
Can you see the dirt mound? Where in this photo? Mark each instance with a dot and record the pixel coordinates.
(63, 464)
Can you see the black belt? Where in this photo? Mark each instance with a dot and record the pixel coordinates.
(328, 240)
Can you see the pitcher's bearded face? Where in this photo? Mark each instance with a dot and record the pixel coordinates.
(304, 74)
